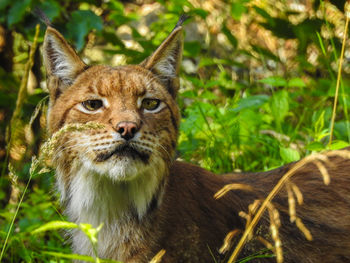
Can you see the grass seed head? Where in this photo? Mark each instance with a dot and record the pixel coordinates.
(52, 143)
(341, 153)
(303, 229)
(254, 206)
(291, 202)
(323, 171)
(228, 241)
(266, 243)
(230, 187)
(275, 223)
(243, 215)
(297, 193)
(266, 204)
(158, 257)
(12, 175)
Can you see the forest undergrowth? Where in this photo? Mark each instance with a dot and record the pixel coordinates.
(263, 83)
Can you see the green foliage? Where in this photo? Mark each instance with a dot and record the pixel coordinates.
(81, 23)
(248, 102)
(17, 12)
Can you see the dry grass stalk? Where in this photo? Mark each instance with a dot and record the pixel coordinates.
(323, 171)
(297, 193)
(22, 92)
(281, 183)
(158, 257)
(303, 229)
(274, 214)
(243, 215)
(253, 207)
(21, 96)
(52, 143)
(230, 187)
(342, 153)
(251, 211)
(275, 224)
(291, 202)
(266, 243)
(228, 240)
(339, 74)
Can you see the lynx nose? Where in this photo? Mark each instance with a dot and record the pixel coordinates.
(127, 129)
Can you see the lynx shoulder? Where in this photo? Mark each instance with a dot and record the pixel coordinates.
(124, 174)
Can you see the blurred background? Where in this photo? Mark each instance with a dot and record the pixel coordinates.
(257, 88)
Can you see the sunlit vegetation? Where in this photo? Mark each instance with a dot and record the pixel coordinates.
(258, 86)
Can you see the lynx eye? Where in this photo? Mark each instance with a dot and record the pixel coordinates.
(150, 104)
(92, 105)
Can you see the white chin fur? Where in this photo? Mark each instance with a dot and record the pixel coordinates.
(110, 193)
(124, 169)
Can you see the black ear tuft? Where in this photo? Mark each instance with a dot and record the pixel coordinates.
(42, 16)
(181, 20)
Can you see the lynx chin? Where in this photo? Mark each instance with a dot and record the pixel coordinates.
(125, 175)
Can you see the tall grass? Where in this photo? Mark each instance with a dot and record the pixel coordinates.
(240, 97)
(16, 115)
(284, 182)
(340, 66)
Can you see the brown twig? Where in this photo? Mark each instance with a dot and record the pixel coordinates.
(22, 95)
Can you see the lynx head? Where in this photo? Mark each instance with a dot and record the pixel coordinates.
(135, 105)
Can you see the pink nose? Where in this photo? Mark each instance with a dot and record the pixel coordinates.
(127, 129)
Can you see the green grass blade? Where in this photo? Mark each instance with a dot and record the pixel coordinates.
(77, 257)
(14, 217)
(54, 225)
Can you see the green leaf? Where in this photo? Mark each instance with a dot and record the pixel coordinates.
(17, 11)
(208, 95)
(315, 146)
(265, 53)
(192, 49)
(296, 82)
(51, 8)
(281, 28)
(90, 231)
(229, 36)
(199, 12)
(305, 31)
(81, 23)
(274, 81)
(319, 122)
(4, 4)
(279, 105)
(69, 256)
(110, 36)
(238, 8)
(264, 14)
(116, 6)
(289, 155)
(337, 145)
(53, 225)
(251, 102)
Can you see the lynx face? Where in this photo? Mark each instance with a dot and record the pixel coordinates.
(139, 116)
(123, 164)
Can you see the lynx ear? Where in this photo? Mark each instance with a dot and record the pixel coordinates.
(165, 61)
(61, 61)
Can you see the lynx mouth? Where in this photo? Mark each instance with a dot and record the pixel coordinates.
(123, 150)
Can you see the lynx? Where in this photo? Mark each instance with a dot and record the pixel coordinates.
(125, 175)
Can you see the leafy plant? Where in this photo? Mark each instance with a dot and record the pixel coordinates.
(258, 89)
